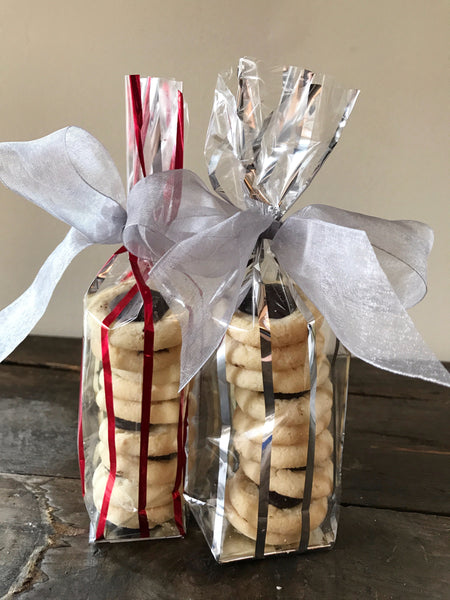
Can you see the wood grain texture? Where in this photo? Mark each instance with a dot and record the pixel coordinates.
(393, 532)
(379, 554)
(38, 425)
(397, 453)
(48, 351)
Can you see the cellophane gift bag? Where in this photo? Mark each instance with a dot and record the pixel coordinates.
(280, 292)
(133, 416)
(267, 419)
(267, 410)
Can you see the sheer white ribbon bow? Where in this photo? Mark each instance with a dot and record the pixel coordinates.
(361, 272)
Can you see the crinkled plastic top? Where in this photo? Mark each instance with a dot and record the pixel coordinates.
(257, 154)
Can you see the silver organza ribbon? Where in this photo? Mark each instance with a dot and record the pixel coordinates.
(361, 272)
(71, 176)
(330, 256)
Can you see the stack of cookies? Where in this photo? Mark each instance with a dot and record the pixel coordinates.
(126, 345)
(291, 382)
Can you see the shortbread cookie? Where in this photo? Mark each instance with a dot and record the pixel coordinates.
(286, 382)
(283, 433)
(162, 439)
(286, 457)
(170, 374)
(291, 482)
(128, 330)
(283, 357)
(291, 408)
(132, 360)
(284, 332)
(123, 387)
(287, 326)
(283, 524)
(161, 413)
(125, 492)
(122, 517)
(290, 540)
(160, 469)
(167, 334)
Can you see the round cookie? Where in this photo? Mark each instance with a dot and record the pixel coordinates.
(132, 360)
(283, 357)
(125, 492)
(129, 518)
(123, 387)
(286, 331)
(161, 413)
(291, 483)
(286, 457)
(283, 433)
(170, 374)
(286, 540)
(293, 410)
(159, 470)
(167, 334)
(129, 334)
(287, 324)
(162, 440)
(285, 382)
(283, 525)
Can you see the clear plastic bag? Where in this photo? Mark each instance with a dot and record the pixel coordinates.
(255, 484)
(133, 427)
(133, 441)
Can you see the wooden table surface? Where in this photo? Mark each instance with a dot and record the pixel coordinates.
(393, 538)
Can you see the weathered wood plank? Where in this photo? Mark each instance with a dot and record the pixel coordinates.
(379, 554)
(51, 351)
(367, 380)
(23, 531)
(38, 423)
(397, 453)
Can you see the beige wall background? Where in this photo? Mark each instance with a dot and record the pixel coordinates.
(64, 63)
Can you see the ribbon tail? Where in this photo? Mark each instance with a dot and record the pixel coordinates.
(19, 318)
(200, 278)
(337, 268)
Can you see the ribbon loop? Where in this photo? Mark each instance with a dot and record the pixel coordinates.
(338, 270)
(150, 232)
(71, 176)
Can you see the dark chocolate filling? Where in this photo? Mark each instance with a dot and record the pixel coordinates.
(289, 396)
(161, 458)
(160, 307)
(165, 457)
(278, 297)
(280, 501)
(127, 425)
